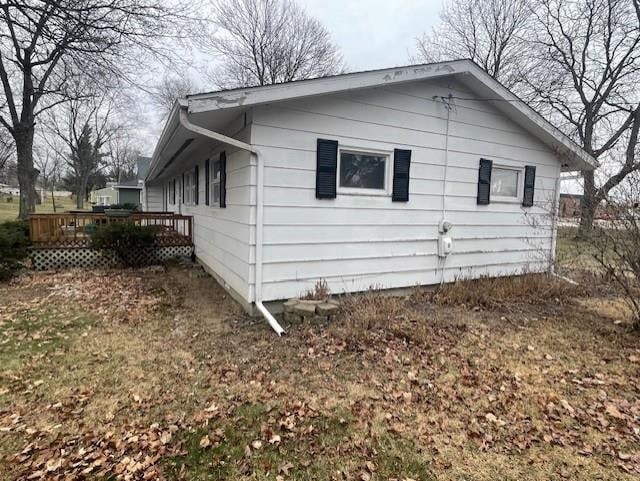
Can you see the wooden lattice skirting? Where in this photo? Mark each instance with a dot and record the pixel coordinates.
(66, 258)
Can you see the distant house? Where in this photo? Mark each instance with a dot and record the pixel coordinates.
(114, 193)
(10, 190)
(388, 178)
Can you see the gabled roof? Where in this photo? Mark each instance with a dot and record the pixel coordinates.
(226, 102)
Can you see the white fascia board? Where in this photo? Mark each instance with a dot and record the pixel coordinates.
(168, 131)
(536, 120)
(306, 88)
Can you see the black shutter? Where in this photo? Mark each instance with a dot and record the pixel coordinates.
(326, 167)
(173, 192)
(223, 179)
(401, 164)
(484, 182)
(529, 185)
(182, 193)
(196, 180)
(206, 182)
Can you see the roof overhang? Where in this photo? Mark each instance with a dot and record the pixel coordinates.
(214, 110)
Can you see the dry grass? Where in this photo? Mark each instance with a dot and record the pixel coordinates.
(445, 385)
(492, 293)
(320, 291)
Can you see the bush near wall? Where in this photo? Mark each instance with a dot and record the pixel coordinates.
(14, 247)
(124, 239)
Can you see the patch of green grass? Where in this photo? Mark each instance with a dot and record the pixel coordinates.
(35, 332)
(574, 253)
(9, 210)
(400, 458)
(315, 452)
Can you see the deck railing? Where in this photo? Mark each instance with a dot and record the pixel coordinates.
(74, 229)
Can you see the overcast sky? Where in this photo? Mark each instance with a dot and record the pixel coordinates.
(370, 33)
(375, 33)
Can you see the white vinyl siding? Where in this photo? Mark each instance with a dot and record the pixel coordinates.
(223, 238)
(359, 241)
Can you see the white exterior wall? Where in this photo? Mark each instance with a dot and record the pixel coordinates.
(152, 194)
(356, 242)
(222, 236)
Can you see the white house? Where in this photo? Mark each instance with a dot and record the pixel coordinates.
(388, 178)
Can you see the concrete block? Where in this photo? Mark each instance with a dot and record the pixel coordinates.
(326, 309)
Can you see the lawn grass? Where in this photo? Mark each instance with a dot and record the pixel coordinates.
(155, 373)
(9, 210)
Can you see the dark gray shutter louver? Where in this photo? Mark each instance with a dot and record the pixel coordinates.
(484, 182)
(326, 168)
(529, 185)
(223, 179)
(206, 182)
(401, 164)
(196, 181)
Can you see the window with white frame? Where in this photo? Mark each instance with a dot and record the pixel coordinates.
(505, 183)
(363, 172)
(215, 183)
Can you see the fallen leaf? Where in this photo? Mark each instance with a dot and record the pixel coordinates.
(205, 442)
(613, 411)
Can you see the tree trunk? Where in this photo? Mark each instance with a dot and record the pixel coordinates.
(23, 137)
(82, 192)
(53, 199)
(588, 205)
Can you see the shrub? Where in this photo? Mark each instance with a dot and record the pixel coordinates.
(14, 247)
(127, 241)
(320, 291)
(617, 250)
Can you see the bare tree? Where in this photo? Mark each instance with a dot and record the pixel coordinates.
(490, 32)
(577, 61)
(49, 164)
(617, 245)
(85, 129)
(45, 42)
(121, 157)
(264, 42)
(6, 149)
(586, 77)
(170, 88)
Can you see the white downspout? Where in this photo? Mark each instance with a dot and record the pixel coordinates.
(555, 212)
(184, 120)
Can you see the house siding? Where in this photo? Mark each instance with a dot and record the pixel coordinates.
(223, 237)
(153, 197)
(356, 242)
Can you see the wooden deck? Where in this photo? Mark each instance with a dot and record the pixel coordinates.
(73, 229)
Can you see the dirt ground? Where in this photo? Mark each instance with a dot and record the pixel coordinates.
(156, 374)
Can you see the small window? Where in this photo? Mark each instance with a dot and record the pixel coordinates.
(190, 188)
(505, 182)
(360, 172)
(215, 183)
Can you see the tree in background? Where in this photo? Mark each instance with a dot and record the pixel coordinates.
(262, 42)
(585, 76)
(7, 149)
(85, 128)
(121, 157)
(49, 164)
(170, 88)
(576, 61)
(46, 43)
(490, 32)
